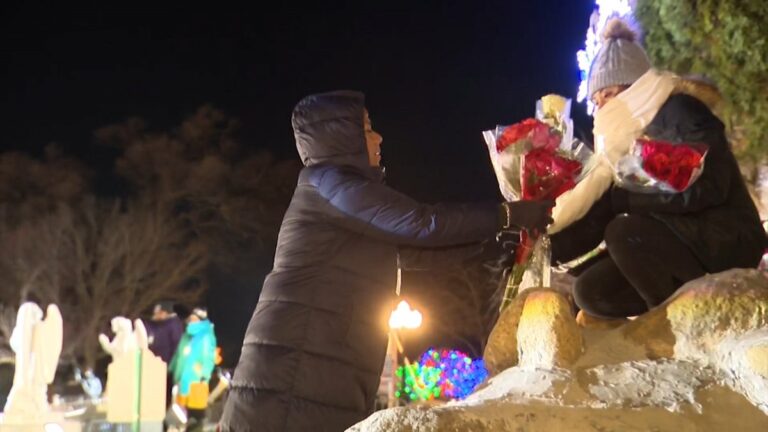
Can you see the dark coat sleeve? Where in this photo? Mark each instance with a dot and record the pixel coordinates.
(374, 209)
(685, 119)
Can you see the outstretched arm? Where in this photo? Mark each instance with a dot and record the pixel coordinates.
(377, 210)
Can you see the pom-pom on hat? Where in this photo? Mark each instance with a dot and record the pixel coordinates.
(620, 60)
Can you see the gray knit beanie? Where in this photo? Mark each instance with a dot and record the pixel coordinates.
(620, 60)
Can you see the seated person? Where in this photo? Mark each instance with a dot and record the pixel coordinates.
(655, 242)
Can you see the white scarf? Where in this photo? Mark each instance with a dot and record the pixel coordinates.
(617, 125)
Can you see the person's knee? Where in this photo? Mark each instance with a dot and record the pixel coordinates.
(584, 294)
(620, 228)
(598, 290)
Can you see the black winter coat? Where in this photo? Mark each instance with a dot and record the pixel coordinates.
(314, 349)
(715, 216)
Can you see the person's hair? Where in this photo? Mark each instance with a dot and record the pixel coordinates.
(165, 306)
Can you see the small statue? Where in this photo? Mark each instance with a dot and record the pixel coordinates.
(37, 344)
(128, 337)
(132, 364)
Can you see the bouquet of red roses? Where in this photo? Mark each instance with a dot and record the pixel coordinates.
(534, 160)
(659, 166)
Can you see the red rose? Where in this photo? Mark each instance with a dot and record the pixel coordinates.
(543, 136)
(671, 163)
(532, 131)
(547, 175)
(514, 133)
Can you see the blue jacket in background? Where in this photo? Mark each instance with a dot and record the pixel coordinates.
(194, 360)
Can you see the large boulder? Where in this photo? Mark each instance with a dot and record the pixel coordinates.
(501, 348)
(698, 362)
(547, 335)
(537, 329)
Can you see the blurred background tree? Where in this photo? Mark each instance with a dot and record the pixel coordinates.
(186, 209)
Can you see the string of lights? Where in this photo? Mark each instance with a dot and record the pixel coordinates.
(443, 374)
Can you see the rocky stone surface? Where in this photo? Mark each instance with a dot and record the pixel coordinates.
(699, 362)
(547, 334)
(501, 349)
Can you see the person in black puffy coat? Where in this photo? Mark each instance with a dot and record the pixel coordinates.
(314, 349)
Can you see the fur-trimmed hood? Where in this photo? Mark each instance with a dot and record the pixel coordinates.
(703, 90)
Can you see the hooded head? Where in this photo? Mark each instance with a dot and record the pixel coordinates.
(199, 314)
(329, 129)
(620, 60)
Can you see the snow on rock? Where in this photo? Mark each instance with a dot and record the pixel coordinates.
(699, 362)
(757, 356)
(547, 335)
(666, 384)
(520, 383)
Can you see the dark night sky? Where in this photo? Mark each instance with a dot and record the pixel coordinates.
(436, 73)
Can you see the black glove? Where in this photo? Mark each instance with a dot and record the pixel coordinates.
(508, 241)
(530, 215)
(495, 260)
(497, 252)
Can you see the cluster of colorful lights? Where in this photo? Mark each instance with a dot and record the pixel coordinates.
(440, 374)
(605, 9)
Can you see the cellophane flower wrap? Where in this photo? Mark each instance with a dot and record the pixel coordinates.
(535, 159)
(654, 166)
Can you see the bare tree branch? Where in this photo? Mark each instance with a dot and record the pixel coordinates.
(100, 261)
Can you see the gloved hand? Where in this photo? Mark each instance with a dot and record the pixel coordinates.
(508, 241)
(530, 215)
(496, 253)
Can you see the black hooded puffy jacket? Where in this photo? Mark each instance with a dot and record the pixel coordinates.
(314, 349)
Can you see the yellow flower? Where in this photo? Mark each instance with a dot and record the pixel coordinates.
(553, 105)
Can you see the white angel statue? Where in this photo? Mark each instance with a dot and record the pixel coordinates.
(128, 337)
(37, 344)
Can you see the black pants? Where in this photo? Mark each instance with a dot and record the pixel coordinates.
(645, 262)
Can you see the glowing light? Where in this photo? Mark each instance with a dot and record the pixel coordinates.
(605, 9)
(53, 427)
(404, 317)
(441, 374)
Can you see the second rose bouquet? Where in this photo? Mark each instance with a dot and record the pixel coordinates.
(654, 166)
